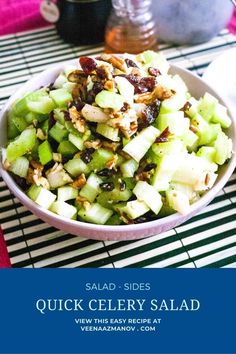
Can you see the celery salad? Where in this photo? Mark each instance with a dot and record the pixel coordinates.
(116, 140)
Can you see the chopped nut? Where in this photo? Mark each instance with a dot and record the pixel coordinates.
(77, 119)
(110, 85)
(79, 182)
(116, 61)
(193, 128)
(6, 164)
(104, 72)
(40, 134)
(207, 179)
(57, 157)
(83, 202)
(95, 144)
(41, 181)
(111, 146)
(161, 93)
(112, 162)
(29, 177)
(77, 76)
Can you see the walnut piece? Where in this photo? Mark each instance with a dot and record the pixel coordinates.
(79, 182)
(116, 61)
(77, 119)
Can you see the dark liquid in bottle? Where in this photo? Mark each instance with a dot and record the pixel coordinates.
(83, 22)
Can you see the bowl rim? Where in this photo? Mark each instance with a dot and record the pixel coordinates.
(171, 219)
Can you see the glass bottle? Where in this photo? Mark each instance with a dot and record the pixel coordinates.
(131, 27)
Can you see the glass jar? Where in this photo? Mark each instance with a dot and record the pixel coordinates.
(83, 21)
(131, 27)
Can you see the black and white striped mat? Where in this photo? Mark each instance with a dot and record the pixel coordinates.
(207, 240)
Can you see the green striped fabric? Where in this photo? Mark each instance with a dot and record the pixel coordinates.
(207, 240)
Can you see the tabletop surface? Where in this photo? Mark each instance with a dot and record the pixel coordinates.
(207, 240)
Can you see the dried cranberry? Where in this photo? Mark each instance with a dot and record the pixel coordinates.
(149, 167)
(150, 114)
(51, 120)
(86, 155)
(153, 71)
(131, 63)
(106, 172)
(107, 186)
(163, 138)
(87, 64)
(148, 82)
(140, 220)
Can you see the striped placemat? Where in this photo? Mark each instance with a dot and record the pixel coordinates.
(207, 240)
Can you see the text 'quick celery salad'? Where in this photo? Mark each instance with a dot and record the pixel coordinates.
(116, 140)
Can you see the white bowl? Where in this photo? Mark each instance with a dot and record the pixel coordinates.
(197, 88)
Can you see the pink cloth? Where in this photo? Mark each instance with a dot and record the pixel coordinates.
(232, 24)
(20, 15)
(4, 258)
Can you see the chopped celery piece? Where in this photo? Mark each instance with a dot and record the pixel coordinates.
(12, 131)
(107, 131)
(128, 168)
(138, 146)
(44, 106)
(114, 220)
(67, 193)
(45, 152)
(61, 97)
(192, 170)
(148, 194)
(207, 152)
(178, 201)
(75, 167)
(174, 103)
(41, 196)
(220, 115)
(96, 214)
(204, 130)
(60, 81)
(76, 140)
(135, 208)
(206, 106)
(66, 148)
(44, 127)
(164, 172)
(58, 177)
(58, 132)
(125, 88)
(100, 158)
(20, 166)
(59, 115)
(184, 188)
(35, 150)
(31, 117)
(108, 99)
(19, 123)
(91, 189)
(21, 107)
(156, 60)
(22, 145)
(168, 148)
(190, 140)
(64, 209)
(175, 121)
(223, 146)
(107, 199)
